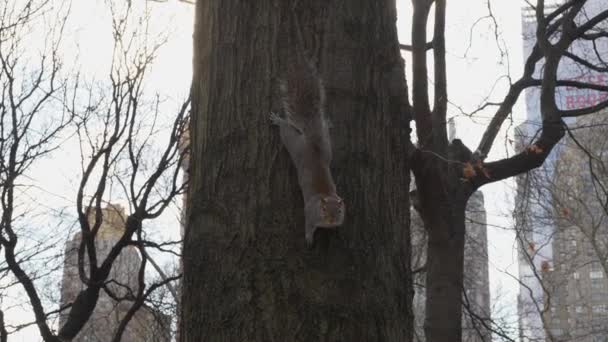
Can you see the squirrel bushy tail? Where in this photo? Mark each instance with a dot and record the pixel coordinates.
(303, 98)
(302, 89)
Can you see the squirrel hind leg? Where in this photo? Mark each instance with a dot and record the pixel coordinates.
(310, 234)
(277, 120)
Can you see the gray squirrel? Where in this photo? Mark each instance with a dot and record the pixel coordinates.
(304, 131)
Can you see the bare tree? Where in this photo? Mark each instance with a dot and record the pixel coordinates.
(28, 93)
(447, 173)
(116, 125)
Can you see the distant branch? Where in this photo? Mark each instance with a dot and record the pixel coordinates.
(584, 111)
(420, 86)
(439, 113)
(162, 274)
(405, 47)
(585, 63)
(3, 332)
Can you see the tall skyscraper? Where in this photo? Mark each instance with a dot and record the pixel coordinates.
(148, 325)
(572, 303)
(577, 285)
(545, 245)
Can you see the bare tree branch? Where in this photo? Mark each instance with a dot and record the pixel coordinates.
(420, 97)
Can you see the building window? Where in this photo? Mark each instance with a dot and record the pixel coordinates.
(597, 284)
(575, 275)
(578, 309)
(599, 294)
(596, 274)
(601, 308)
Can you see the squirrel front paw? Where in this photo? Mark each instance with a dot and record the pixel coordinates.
(275, 119)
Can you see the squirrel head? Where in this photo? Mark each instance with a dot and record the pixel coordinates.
(331, 211)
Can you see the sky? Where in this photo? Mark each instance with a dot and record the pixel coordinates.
(476, 66)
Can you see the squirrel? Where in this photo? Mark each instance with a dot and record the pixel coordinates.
(304, 131)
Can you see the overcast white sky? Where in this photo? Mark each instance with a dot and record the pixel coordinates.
(474, 66)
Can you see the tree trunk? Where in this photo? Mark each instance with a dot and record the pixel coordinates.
(247, 273)
(441, 196)
(444, 275)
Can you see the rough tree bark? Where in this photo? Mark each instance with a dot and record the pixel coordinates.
(442, 205)
(248, 274)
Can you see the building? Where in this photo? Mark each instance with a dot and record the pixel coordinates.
(148, 325)
(577, 284)
(552, 257)
(477, 317)
(572, 300)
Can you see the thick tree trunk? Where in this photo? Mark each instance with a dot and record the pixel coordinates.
(444, 272)
(247, 273)
(442, 193)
